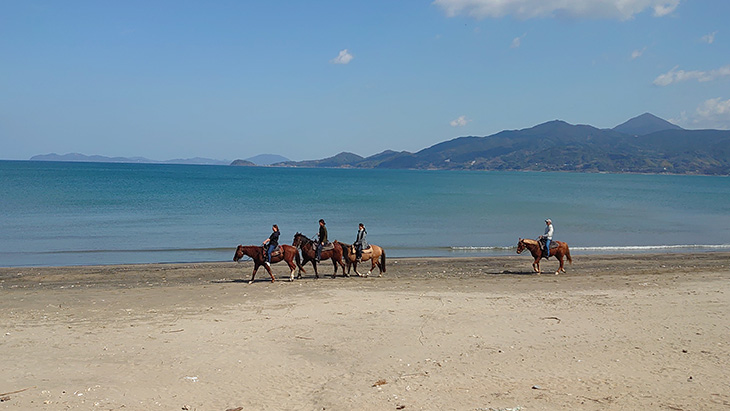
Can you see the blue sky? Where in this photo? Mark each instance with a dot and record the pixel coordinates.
(307, 80)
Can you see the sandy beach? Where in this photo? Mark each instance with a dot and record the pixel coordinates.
(615, 332)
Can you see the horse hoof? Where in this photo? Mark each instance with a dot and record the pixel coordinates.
(250, 282)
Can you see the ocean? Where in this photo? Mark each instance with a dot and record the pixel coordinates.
(60, 213)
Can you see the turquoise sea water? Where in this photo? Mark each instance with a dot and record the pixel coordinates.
(98, 213)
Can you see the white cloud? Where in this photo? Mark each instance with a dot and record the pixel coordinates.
(517, 42)
(637, 53)
(709, 38)
(713, 113)
(676, 76)
(527, 9)
(343, 58)
(459, 122)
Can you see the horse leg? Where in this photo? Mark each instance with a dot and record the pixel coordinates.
(373, 263)
(354, 267)
(270, 273)
(536, 265)
(381, 266)
(292, 267)
(314, 264)
(253, 275)
(560, 258)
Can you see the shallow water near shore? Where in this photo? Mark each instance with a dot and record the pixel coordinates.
(102, 213)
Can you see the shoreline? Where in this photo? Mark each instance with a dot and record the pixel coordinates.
(436, 252)
(615, 332)
(512, 264)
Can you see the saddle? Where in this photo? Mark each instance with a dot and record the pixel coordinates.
(328, 246)
(368, 250)
(276, 251)
(553, 246)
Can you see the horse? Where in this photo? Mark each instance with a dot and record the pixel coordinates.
(374, 253)
(309, 253)
(534, 246)
(256, 252)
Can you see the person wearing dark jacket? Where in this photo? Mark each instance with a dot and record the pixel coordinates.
(321, 239)
(361, 241)
(271, 243)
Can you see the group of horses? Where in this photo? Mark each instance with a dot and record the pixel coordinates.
(344, 255)
(341, 254)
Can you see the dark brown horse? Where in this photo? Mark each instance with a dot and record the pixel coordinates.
(309, 253)
(256, 252)
(373, 253)
(534, 246)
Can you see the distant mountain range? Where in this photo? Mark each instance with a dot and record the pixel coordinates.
(644, 144)
(259, 160)
(103, 159)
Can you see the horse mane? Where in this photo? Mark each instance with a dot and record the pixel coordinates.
(304, 237)
(530, 241)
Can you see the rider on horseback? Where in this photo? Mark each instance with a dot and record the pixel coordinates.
(273, 242)
(321, 239)
(547, 238)
(361, 242)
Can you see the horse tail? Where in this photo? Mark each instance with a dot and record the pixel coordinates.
(567, 254)
(382, 259)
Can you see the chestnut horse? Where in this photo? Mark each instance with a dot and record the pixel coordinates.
(256, 252)
(534, 246)
(373, 253)
(309, 253)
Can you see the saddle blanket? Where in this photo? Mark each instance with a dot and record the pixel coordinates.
(364, 250)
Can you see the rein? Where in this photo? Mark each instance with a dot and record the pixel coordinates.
(304, 240)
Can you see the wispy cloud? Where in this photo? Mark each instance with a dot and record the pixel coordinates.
(637, 53)
(459, 122)
(709, 38)
(677, 76)
(517, 42)
(528, 9)
(343, 58)
(713, 113)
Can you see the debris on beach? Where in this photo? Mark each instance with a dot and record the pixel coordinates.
(379, 383)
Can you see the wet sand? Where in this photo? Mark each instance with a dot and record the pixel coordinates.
(615, 332)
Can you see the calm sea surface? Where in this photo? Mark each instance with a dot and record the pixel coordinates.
(97, 213)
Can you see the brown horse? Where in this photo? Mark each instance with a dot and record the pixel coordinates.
(309, 253)
(534, 246)
(256, 252)
(373, 253)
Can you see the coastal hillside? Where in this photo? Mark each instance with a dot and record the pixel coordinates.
(645, 144)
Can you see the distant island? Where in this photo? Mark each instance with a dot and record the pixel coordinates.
(76, 157)
(643, 144)
(259, 160)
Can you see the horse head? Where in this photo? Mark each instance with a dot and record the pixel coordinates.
(299, 239)
(520, 246)
(239, 253)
